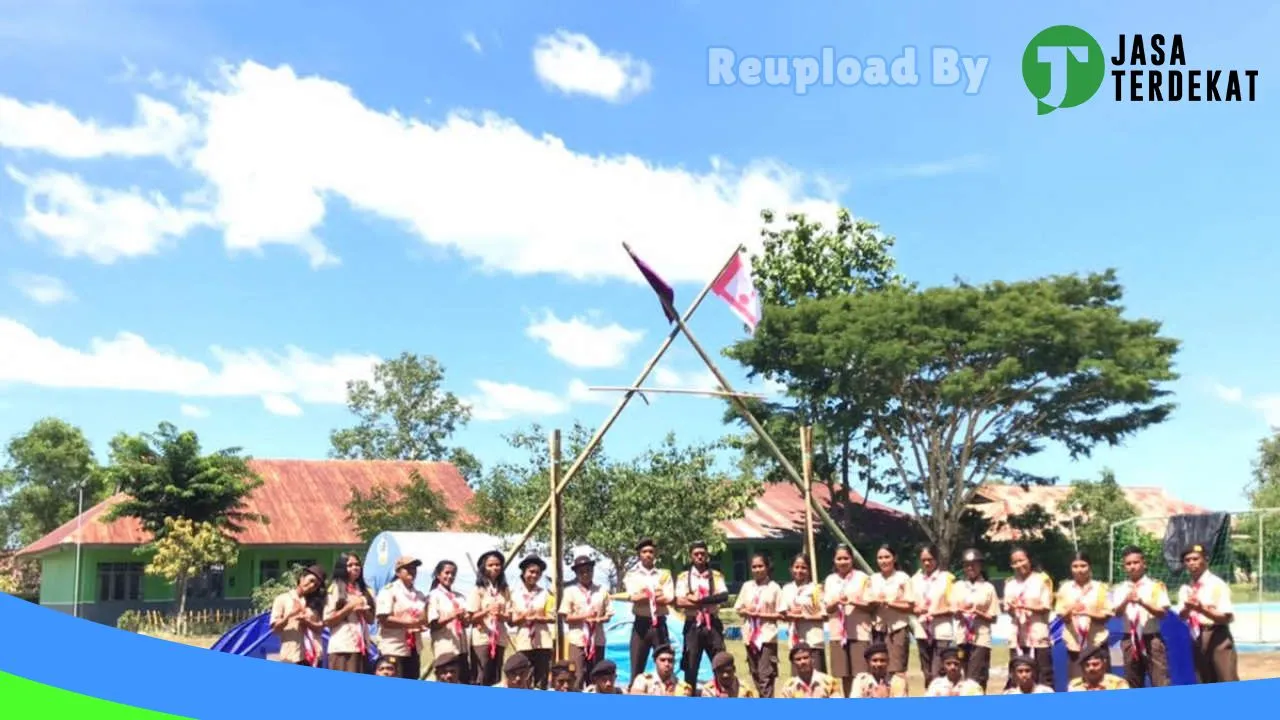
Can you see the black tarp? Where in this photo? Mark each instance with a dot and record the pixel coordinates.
(1208, 529)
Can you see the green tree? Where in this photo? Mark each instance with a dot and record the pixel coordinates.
(405, 414)
(671, 492)
(1094, 507)
(165, 475)
(801, 261)
(412, 507)
(958, 383)
(1263, 494)
(185, 549)
(39, 485)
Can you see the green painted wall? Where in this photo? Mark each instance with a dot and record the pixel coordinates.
(57, 578)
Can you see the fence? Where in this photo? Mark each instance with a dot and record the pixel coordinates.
(191, 623)
(1247, 556)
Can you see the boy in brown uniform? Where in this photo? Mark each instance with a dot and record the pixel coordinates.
(700, 591)
(650, 590)
(1206, 605)
(401, 610)
(1143, 603)
(449, 668)
(724, 681)
(1095, 662)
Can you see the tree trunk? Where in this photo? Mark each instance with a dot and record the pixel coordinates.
(182, 604)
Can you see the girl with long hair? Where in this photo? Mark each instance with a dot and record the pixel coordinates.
(801, 605)
(846, 600)
(348, 613)
(1085, 607)
(447, 619)
(757, 604)
(490, 609)
(931, 621)
(1028, 598)
(296, 619)
(894, 600)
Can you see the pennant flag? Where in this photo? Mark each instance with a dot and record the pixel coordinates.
(659, 285)
(736, 287)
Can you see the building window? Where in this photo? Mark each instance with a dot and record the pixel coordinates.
(268, 570)
(740, 568)
(207, 585)
(119, 582)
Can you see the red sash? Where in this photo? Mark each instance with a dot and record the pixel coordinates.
(1136, 621)
(1193, 617)
(927, 596)
(364, 626)
(588, 629)
(704, 614)
(535, 627)
(492, 628)
(757, 627)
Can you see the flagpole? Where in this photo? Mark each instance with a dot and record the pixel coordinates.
(806, 448)
(768, 441)
(622, 404)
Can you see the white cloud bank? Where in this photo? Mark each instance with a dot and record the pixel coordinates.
(580, 343)
(42, 289)
(574, 65)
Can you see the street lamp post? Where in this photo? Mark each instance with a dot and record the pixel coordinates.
(75, 601)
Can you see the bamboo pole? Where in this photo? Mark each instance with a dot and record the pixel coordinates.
(617, 410)
(557, 552)
(676, 391)
(806, 447)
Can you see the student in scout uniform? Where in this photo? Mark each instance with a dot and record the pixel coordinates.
(651, 590)
(1023, 672)
(724, 680)
(976, 606)
(1095, 661)
(1085, 609)
(931, 623)
(1028, 599)
(586, 610)
(517, 673)
(893, 602)
(489, 608)
(388, 666)
(700, 591)
(532, 612)
(805, 681)
(447, 617)
(449, 668)
(401, 610)
(801, 605)
(1205, 604)
(758, 606)
(663, 680)
(844, 594)
(879, 681)
(348, 612)
(952, 682)
(296, 619)
(1142, 602)
(564, 677)
(604, 679)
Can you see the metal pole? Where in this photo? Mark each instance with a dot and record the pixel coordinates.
(557, 552)
(806, 445)
(608, 423)
(769, 443)
(1262, 516)
(75, 602)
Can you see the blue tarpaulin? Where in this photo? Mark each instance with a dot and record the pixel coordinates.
(253, 638)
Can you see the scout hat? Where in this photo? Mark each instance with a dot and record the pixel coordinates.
(950, 653)
(561, 667)
(604, 668)
(721, 661)
(1097, 651)
(1020, 660)
(1192, 549)
(444, 660)
(697, 545)
(582, 561)
(407, 561)
(385, 660)
(875, 649)
(315, 571)
(516, 663)
(972, 555)
(533, 560)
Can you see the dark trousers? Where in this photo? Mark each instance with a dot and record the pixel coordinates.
(764, 667)
(646, 635)
(1152, 659)
(1043, 658)
(485, 670)
(700, 640)
(930, 663)
(1214, 655)
(582, 666)
(409, 667)
(349, 662)
(977, 664)
(541, 661)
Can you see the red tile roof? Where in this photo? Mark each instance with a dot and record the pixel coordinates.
(998, 502)
(303, 500)
(779, 512)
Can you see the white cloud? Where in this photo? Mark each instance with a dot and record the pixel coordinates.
(472, 42)
(103, 225)
(502, 401)
(128, 362)
(159, 129)
(573, 64)
(684, 380)
(281, 405)
(580, 394)
(193, 411)
(275, 149)
(582, 344)
(952, 166)
(42, 289)
(1226, 394)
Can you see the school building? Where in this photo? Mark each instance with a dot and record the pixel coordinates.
(303, 501)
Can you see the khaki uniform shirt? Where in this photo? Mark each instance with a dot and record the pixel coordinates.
(352, 634)
(577, 601)
(395, 599)
(1031, 627)
(1136, 616)
(650, 684)
(711, 689)
(865, 685)
(977, 596)
(896, 587)
(755, 597)
(1109, 682)
(1212, 592)
(293, 636)
(1095, 598)
(655, 580)
(451, 638)
(849, 622)
(1037, 690)
(482, 600)
(540, 602)
(805, 599)
(820, 685)
(932, 592)
(942, 687)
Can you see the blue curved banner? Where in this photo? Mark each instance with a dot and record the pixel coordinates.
(47, 656)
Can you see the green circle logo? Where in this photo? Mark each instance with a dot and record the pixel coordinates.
(1063, 67)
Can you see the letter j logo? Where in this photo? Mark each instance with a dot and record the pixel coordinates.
(1063, 67)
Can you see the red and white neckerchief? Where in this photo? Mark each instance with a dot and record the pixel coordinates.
(970, 619)
(1082, 623)
(702, 591)
(927, 601)
(492, 623)
(651, 593)
(757, 627)
(844, 583)
(1137, 617)
(361, 645)
(588, 627)
(447, 594)
(407, 596)
(310, 648)
(535, 627)
(1193, 617)
(804, 686)
(1022, 618)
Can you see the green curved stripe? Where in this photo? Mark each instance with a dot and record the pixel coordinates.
(42, 700)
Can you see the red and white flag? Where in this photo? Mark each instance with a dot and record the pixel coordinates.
(735, 287)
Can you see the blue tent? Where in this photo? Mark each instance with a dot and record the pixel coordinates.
(1177, 638)
(253, 638)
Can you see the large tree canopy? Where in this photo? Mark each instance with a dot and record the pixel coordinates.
(40, 481)
(958, 383)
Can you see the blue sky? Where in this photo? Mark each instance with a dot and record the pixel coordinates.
(312, 185)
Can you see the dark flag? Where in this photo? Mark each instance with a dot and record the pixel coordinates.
(659, 285)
